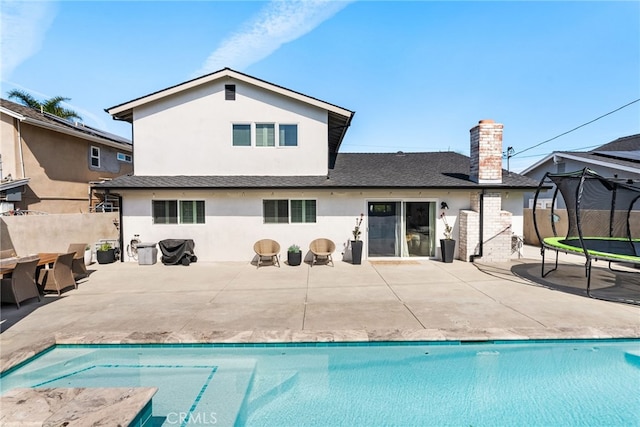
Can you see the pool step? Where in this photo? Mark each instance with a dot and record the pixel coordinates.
(221, 401)
(264, 389)
(633, 358)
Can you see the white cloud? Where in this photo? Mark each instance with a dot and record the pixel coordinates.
(280, 22)
(23, 25)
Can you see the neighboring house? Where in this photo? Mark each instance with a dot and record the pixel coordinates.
(227, 159)
(617, 159)
(48, 163)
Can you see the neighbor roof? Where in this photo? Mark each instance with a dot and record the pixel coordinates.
(339, 119)
(50, 121)
(622, 153)
(437, 170)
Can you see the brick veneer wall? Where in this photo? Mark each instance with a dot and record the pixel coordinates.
(485, 168)
(496, 239)
(469, 234)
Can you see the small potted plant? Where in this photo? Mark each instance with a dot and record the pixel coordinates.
(447, 245)
(294, 255)
(356, 243)
(105, 254)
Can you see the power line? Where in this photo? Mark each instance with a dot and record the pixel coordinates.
(575, 128)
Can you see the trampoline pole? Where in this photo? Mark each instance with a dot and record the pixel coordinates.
(588, 273)
(553, 269)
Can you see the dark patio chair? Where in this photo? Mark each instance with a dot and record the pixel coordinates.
(21, 285)
(77, 266)
(60, 276)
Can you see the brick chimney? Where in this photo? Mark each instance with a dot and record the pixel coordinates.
(486, 152)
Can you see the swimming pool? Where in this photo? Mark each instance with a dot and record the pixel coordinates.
(586, 382)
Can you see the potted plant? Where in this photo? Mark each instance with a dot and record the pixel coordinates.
(105, 254)
(356, 243)
(447, 245)
(294, 255)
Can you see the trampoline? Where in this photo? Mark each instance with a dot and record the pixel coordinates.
(603, 221)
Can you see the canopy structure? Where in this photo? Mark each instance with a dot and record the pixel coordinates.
(603, 220)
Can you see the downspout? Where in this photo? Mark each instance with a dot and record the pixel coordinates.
(121, 237)
(24, 175)
(478, 254)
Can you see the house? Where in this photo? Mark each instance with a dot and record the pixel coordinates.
(48, 163)
(227, 159)
(617, 159)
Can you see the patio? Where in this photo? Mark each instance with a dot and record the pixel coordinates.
(385, 300)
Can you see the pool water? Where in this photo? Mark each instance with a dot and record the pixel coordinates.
(588, 383)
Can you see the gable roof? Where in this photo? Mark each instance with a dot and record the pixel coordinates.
(339, 119)
(436, 170)
(49, 121)
(622, 154)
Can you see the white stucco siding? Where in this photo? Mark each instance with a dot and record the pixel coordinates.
(234, 222)
(234, 219)
(190, 133)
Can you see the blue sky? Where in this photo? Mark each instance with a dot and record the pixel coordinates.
(418, 74)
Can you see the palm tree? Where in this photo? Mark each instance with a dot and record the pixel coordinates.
(51, 106)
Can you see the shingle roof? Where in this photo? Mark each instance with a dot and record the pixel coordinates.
(603, 157)
(50, 120)
(626, 143)
(437, 170)
(623, 153)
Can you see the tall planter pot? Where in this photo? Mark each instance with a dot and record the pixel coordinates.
(356, 252)
(88, 257)
(447, 248)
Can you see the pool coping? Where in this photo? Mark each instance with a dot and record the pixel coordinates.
(24, 355)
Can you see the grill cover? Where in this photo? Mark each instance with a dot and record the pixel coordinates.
(177, 251)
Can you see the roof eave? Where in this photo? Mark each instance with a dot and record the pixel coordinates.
(125, 111)
(72, 132)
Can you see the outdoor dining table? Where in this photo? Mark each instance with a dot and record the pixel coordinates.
(46, 258)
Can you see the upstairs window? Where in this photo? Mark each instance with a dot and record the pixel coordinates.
(95, 157)
(288, 135)
(230, 92)
(242, 135)
(124, 157)
(265, 135)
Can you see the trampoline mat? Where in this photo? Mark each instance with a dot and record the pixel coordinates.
(622, 249)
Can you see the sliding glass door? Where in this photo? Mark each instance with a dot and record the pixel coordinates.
(401, 229)
(419, 223)
(384, 228)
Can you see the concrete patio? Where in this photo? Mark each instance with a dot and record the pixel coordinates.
(384, 300)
